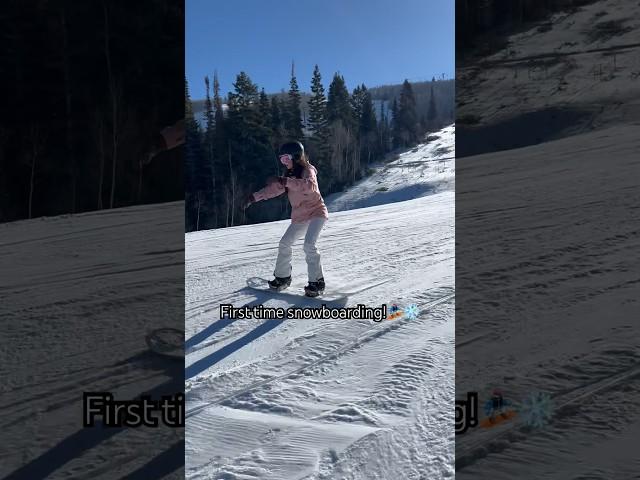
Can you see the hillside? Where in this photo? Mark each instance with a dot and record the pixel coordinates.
(423, 170)
(576, 72)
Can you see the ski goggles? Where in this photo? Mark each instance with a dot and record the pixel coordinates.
(286, 160)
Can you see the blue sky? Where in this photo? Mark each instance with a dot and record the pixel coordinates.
(374, 42)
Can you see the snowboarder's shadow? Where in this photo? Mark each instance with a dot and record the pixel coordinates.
(261, 297)
(85, 439)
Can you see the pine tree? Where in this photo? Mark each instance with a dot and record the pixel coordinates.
(407, 117)
(265, 109)
(338, 102)
(209, 148)
(318, 120)
(356, 104)
(277, 124)
(367, 113)
(208, 108)
(317, 105)
(193, 163)
(396, 124)
(368, 126)
(383, 132)
(220, 137)
(250, 152)
(293, 118)
(217, 102)
(342, 140)
(432, 113)
(245, 95)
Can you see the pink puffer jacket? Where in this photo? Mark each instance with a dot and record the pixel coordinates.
(304, 195)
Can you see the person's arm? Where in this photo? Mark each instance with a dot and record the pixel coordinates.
(305, 184)
(168, 139)
(174, 136)
(272, 190)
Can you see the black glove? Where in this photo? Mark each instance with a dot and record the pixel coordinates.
(158, 146)
(249, 200)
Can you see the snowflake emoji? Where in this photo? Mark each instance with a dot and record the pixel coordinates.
(411, 311)
(537, 409)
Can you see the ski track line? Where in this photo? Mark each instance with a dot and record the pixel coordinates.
(366, 336)
(473, 339)
(478, 449)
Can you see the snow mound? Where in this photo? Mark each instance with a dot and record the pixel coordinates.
(349, 413)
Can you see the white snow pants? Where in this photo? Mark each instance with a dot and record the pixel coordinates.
(293, 233)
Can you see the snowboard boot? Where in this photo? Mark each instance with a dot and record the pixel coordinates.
(280, 283)
(314, 288)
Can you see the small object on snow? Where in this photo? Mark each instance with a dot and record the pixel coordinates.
(168, 342)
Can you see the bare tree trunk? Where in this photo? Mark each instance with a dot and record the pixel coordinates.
(233, 185)
(69, 123)
(35, 150)
(32, 179)
(212, 166)
(233, 199)
(198, 211)
(227, 203)
(140, 170)
(114, 107)
(101, 156)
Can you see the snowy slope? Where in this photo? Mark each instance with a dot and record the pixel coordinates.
(559, 314)
(78, 293)
(425, 169)
(325, 399)
(578, 71)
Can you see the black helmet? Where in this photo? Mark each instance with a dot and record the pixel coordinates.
(295, 149)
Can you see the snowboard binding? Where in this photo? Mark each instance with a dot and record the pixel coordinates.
(314, 288)
(279, 283)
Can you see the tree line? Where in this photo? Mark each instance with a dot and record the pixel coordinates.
(234, 147)
(85, 96)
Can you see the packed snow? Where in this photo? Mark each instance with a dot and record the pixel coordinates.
(329, 399)
(571, 330)
(78, 294)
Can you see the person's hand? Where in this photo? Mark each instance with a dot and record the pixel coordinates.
(158, 146)
(248, 201)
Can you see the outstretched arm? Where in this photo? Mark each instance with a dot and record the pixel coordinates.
(270, 191)
(168, 139)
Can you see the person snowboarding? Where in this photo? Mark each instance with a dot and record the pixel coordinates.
(308, 216)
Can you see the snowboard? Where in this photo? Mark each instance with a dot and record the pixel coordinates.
(498, 419)
(294, 291)
(168, 342)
